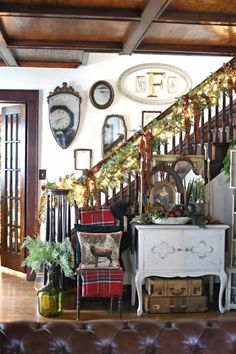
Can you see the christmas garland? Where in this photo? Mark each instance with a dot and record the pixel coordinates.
(124, 161)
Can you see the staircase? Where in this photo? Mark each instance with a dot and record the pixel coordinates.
(202, 122)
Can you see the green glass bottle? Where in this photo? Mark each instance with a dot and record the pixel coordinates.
(50, 298)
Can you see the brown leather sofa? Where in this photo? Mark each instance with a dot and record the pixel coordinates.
(123, 337)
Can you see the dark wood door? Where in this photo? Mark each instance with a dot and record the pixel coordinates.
(19, 174)
(13, 186)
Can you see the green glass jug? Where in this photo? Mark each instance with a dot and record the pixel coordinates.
(50, 298)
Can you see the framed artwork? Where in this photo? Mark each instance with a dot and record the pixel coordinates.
(141, 84)
(83, 158)
(197, 162)
(148, 116)
(163, 192)
(172, 84)
(101, 94)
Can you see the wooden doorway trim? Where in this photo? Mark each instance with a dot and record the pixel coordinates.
(31, 100)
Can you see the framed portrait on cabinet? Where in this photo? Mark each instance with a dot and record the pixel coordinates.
(163, 192)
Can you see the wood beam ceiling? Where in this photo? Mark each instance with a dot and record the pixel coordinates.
(152, 11)
(115, 14)
(114, 47)
(197, 18)
(89, 13)
(5, 52)
(80, 45)
(151, 48)
(138, 21)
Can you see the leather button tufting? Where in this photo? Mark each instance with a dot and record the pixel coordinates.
(14, 350)
(60, 350)
(195, 348)
(107, 349)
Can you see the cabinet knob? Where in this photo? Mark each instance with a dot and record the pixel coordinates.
(186, 249)
(179, 249)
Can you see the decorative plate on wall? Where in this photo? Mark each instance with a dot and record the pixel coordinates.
(64, 114)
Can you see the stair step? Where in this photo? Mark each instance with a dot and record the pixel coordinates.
(215, 168)
(219, 151)
(226, 138)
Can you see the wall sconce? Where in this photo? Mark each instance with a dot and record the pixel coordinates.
(83, 158)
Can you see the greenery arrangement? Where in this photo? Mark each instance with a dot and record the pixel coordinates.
(48, 254)
(226, 162)
(160, 211)
(198, 192)
(124, 160)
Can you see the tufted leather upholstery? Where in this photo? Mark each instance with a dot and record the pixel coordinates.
(123, 337)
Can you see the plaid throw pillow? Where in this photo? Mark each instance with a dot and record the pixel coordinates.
(98, 216)
(100, 250)
(92, 229)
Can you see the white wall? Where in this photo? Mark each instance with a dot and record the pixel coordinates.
(109, 67)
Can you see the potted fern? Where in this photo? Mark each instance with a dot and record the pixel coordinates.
(51, 256)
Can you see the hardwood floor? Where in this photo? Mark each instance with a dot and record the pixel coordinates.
(18, 302)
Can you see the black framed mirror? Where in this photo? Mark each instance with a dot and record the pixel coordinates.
(101, 94)
(114, 131)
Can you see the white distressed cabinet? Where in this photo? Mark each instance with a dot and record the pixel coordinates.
(231, 283)
(178, 251)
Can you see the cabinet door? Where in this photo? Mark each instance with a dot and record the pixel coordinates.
(163, 249)
(204, 249)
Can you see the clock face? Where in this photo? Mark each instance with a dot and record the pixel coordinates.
(64, 114)
(60, 119)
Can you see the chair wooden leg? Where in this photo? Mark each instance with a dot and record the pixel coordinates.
(120, 303)
(111, 304)
(78, 298)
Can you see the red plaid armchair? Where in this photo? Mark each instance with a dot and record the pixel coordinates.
(98, 282)
(105, 283)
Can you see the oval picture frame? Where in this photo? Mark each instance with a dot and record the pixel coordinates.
(101, 94)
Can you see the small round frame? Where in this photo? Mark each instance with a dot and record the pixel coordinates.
(101, 94)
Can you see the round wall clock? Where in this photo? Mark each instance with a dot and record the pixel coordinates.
(64, 114)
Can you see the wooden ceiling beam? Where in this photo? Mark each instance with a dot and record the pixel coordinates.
(5, 52)
(70, 45)
(197, 18)
(188, 49)
(47, 11)
(45, 64)
(152, 11)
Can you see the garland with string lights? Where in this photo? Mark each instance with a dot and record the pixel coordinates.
(124, 161)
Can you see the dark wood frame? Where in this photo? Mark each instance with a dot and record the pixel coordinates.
(92, 94)
(157, 113)
(118, 140)
(77, 151)
(31, 100)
